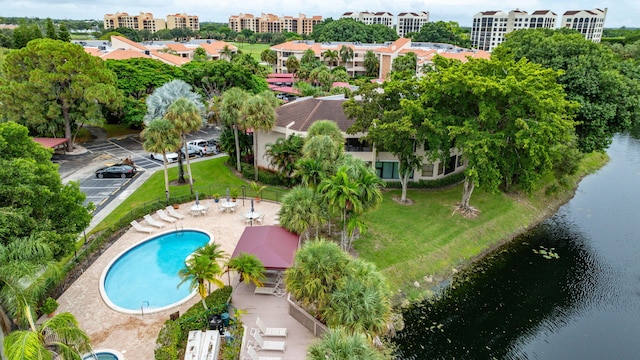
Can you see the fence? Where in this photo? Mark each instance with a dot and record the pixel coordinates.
(305, 319)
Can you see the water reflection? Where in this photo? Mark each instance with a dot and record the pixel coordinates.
(518, 305)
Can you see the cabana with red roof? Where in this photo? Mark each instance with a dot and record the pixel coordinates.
(51, 142)
(273, 245)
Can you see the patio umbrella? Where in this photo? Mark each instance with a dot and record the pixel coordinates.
(197, 200)
(227, 194)
(252, 205)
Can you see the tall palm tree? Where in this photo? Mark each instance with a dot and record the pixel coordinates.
(59, 337)
(160, 136)
(317, 269)
(341, 344)
(260, 114)
(346, 54)
(371, 64)
(186, 117)
(231, 114)
(269, 56)
(214, 252)
(284, 153)
(341, 193)
(301, 211)
(198, 271)
(292, 64)
(249, 267)
(331, 56)
(226, 52)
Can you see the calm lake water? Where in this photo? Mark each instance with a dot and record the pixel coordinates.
(516, 304)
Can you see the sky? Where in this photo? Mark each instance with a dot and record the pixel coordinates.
(620, 12)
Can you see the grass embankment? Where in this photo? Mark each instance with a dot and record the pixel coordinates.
(254, 49)
(426, 241)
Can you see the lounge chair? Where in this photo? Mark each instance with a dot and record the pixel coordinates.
(171, 211)
(165, 217)
(253, 355)
(151, 221)
(261, 344)
(270, 331)
(140, 228)
(269, 290)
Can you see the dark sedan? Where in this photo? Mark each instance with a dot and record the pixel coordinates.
(116, 171)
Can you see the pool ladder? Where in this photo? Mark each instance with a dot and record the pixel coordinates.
(144, 302)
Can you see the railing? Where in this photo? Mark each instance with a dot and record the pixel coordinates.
(305, 319)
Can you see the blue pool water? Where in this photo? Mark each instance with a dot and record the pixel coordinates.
(101, 356)
(147, 275)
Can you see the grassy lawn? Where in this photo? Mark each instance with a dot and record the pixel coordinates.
(115, 130)
(408, 243)
(253, 49)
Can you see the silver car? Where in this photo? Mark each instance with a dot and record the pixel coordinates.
(171, 156)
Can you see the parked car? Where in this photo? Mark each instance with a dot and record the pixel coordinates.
(203, 147)
(191, 150)
(116, 171)
(171, 156)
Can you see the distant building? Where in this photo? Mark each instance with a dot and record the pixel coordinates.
(270, 23)
(409, 22)
(490, 27)
(183, 21)
(589, 23)
(146, 21)
(371, 18)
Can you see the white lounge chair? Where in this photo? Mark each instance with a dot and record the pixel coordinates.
(171, 211)
(140, 228)
(151, 221)
(270, 331)
(253, 355)
(269, 290)
(261, 344)
(165, 217)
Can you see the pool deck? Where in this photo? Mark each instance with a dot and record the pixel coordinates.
(135, 335)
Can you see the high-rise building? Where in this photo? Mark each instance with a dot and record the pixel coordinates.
(589, 23)
(270, 23)
(371, 18)
(183, 21)
(489, 27)
(409, 22)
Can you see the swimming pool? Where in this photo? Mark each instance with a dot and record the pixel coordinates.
(144, 278)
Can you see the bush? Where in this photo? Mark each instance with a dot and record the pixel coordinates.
(174, 334)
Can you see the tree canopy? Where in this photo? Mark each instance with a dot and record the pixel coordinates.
(350, 30)
(442, 32)
(609, 96)
(51, 85)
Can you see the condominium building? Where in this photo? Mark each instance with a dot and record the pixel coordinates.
(409, 22)
(144, 21)
(589, 23)
(371, 18)
(183, 21)
(489, 27)
(270, 23)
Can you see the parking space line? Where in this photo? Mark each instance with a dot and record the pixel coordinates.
(114, 191)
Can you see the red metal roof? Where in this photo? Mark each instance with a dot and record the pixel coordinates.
(273, 245)
(50, 142)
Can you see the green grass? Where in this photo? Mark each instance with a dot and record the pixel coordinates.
(254, 49)
(115, 130)
(428, 238)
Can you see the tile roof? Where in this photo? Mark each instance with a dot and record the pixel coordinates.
(169, 58)
(307, 111)
(121, 54)
(128, 42)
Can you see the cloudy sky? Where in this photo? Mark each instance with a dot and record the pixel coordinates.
(620, 12)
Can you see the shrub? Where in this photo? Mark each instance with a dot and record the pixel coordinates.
(428, 184)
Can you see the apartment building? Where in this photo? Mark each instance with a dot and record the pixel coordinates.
(183, 21)
(371, 18)
(146, 21)
(489, 27)
(589, 23)
(409, 22)
(273, 23)
(385, 53)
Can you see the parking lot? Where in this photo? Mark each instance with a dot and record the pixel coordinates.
(107, 152)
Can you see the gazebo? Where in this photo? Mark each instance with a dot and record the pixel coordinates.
(273, 245)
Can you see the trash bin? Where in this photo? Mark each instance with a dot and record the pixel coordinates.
(225, 319)
(215, 322)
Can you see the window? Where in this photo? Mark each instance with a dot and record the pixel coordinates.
(460, 160)
(427, 170)
(387, 170)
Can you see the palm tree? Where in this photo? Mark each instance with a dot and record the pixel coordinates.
(346, 54)
(301, 211)
(269, 56)
(331, 56)
(226, 52)
(317, 269)
(212, 251)
(284, 153)
(260, 114)
(159, 101)
(371, 64)
(231, 114)
(327, 127)
(59, 337)
(249, 267)
(160, 136)
(199, 270)
(311, 171)
(341, 193)
(186, 117)
(292, 64)
(340, 344)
